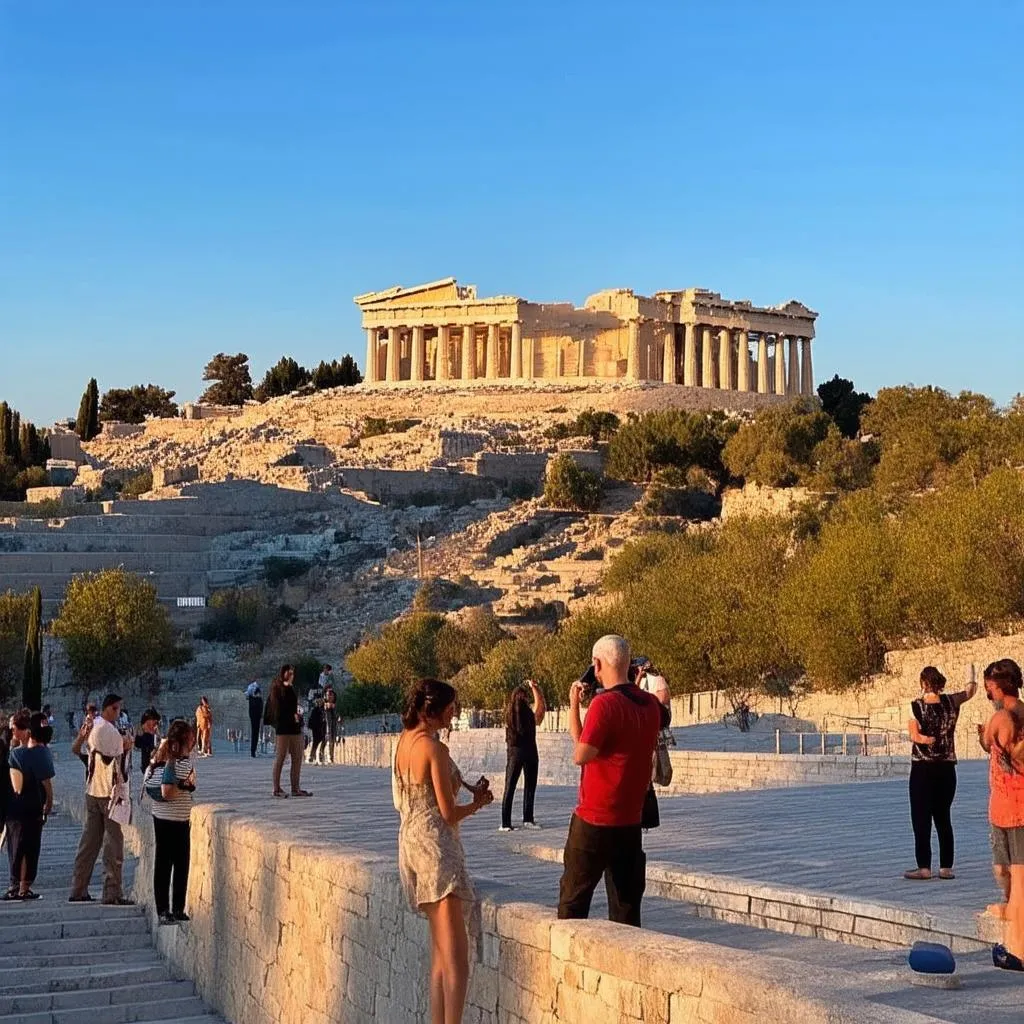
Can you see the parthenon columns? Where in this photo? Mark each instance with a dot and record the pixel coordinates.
(780, 364)
(762, 364)
(492, 352)
(394, 354)
(743, 366)
(441, 352)
(793, 376)
(633, 351)
(468, 353)
(668, 366)
(806, 370)
(418, 354)
(370, 375)
(707, 370)
(725, 359)
(690, 368)
(517, 351)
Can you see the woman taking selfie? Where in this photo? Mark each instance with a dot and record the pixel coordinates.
(425, 784)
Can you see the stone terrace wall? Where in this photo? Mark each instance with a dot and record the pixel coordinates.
(284, 930)
(482, 751)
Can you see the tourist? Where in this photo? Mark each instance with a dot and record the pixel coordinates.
(932, 729)
(204, 727)
(521, 757)
(326, 679)
(31, 772)
(105, 765)
(6, 733)
(318, 730)
(147, 739)
(282, 713)
(70, 719)
(171, 781)
(1002, 737)
(331, 711)
(431, 861)
(615, 749)
(254, 699)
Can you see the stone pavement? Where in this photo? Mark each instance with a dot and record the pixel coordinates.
(83, 964)
(846, 839)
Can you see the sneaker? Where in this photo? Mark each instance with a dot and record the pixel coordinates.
(506, 828)
(165, 919)
(1004, 959)
(532, 825)
(182, 917)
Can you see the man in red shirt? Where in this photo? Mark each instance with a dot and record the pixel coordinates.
(615, 750)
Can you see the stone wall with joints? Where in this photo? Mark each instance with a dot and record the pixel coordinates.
(285, 931)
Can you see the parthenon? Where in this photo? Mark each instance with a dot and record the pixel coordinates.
(442, 332)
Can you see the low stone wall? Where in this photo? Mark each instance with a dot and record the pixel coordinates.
(482, 751)
(285, 930)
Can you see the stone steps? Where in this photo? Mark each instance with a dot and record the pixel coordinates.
(64, 963)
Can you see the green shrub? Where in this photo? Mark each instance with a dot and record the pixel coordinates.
(140, 483)
(670, 438)
(403, 651)
(374, 426)
(307, 672)
(360, 700)
(598, 426)
(243, 615)
(569, 486)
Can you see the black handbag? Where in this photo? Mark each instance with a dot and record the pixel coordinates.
(651, 816)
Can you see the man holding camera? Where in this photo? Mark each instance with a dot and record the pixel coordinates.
(615, 749)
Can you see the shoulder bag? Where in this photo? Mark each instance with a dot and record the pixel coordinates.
(119, 809)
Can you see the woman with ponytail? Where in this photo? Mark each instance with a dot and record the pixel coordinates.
(425, 785)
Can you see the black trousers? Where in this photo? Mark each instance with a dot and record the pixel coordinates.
(255, 724)
(614, 851)
(173, 846)
(319, 744)
(932, 789)
(525, 763)
(24, 841)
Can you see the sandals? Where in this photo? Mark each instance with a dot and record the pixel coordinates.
(301, 792)
(280, 794)
(86, 898)
(11, 895)
(946, 874)
(918, 875)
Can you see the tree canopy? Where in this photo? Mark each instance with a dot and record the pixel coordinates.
(284, 377)
(841, 401)
(232, 382)
(87, 425)
(336, 374)
(135, 404)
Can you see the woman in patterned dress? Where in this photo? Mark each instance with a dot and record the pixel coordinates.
(425, 784)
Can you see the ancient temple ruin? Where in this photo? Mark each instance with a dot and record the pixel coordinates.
(443, 331)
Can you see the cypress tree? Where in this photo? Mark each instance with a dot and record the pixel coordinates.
(32, 688)
(5, 429)
(87, 426)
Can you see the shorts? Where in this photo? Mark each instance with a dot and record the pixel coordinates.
(1008, 846)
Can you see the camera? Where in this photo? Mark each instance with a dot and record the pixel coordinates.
(638, 666)
(589, 681)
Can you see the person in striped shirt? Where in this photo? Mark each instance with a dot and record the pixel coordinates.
(171, 805)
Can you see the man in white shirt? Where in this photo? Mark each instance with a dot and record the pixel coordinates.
(107, 748)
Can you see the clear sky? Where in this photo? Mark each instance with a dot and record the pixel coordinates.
(182, 177)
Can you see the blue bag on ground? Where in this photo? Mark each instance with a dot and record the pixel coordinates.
(931, 958)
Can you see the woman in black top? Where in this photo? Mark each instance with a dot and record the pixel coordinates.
(933, 770)
(331, 711)
(282, 713)
(318, 728)
(521, 721)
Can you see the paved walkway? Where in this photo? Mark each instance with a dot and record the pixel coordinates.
(83, 963)
(846, 839)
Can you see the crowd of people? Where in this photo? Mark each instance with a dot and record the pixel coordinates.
(619, 744)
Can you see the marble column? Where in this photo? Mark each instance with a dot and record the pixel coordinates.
(394, 365)
(743, 365)
(441, 354)
(633, 352)
(419, 351)
(806, 369)
(793, 376)
(468, 354)
(780, 364)
(668, 366)
(492, 352)
(690, 370)
(517, 351)
(370, 371)
(529, 357)
(725, 359)
(707, 371)
(763, 381)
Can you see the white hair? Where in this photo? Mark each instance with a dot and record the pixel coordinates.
(613, 650)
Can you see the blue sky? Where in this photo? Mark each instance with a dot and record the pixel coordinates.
(182, 178)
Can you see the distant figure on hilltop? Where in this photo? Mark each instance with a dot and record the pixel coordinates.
(933, 770)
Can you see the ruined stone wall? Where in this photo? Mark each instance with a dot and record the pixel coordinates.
(286, 930)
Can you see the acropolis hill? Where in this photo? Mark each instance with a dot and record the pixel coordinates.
(442, 331)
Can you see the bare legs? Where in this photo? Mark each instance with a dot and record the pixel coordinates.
(449, 960)
(1002, 876)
